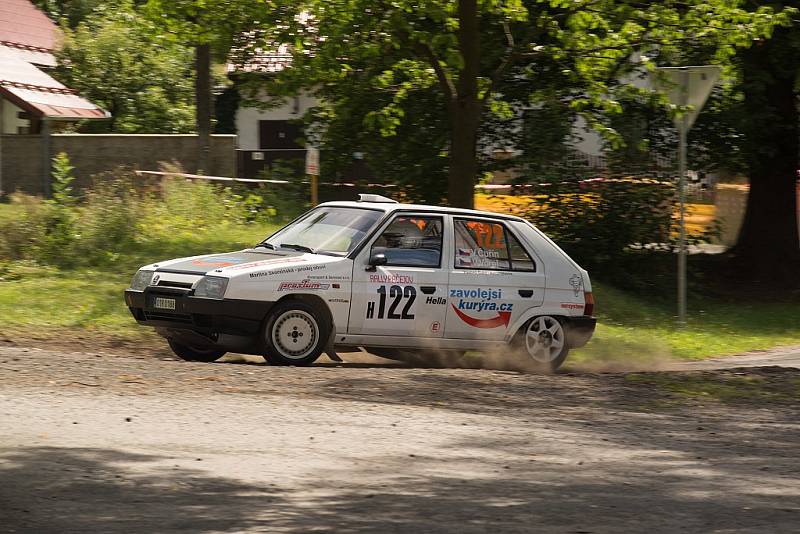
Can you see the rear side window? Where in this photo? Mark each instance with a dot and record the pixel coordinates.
(489, 245)
(520, 259)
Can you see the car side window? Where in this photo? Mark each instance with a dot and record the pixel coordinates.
(411, 241)
(488, 245)
(520, 259)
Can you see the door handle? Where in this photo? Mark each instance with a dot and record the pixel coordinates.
(428, 289)
(526, 293)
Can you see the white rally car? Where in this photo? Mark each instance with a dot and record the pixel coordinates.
(394, 279)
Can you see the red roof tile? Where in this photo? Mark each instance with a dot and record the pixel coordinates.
(37, 92)
(21, 23)
(43, 103)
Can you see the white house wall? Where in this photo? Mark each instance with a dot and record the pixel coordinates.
(587, 140)
(247, 118)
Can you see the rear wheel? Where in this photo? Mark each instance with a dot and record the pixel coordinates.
(542, 343)
(195, 354)
(295, 334)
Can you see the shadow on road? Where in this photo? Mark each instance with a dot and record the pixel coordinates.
(51, 489)
(103, 490)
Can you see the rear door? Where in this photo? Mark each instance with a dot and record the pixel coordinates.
(408, 295)
(493, 279)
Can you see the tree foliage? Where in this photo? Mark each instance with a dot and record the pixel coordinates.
(118, 60)
(218, 23)
(750, 129)
(73, 12)
(486, 59)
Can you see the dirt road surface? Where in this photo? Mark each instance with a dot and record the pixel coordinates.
(118, 443)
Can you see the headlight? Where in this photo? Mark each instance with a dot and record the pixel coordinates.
(141, 280)
(211, 287)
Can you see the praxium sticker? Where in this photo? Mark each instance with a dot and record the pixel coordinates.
(305, 284)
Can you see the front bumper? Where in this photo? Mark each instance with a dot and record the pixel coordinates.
(579, 330)
(207, 316)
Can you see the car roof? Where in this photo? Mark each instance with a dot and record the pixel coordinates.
(389, 207)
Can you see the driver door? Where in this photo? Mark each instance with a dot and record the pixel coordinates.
(407, 295)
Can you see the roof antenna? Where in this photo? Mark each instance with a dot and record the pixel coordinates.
(363, 197)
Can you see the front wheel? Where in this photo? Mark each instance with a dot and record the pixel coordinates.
(542, 343)
(195, 354)
(295, 334)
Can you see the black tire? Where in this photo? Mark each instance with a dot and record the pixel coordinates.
(195, 354)
(541, 345)
(295, 333)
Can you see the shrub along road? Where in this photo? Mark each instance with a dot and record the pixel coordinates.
(131, 443)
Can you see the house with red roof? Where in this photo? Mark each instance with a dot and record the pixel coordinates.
(30, 99)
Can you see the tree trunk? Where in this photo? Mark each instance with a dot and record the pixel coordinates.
(465, 121)
(768, 247)
(203, 106)
(465, 111)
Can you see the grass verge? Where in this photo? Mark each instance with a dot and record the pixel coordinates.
(631, 328)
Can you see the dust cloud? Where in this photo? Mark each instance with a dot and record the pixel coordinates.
(598, 357)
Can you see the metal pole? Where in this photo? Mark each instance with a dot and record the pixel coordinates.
(314, 190)
(45, 136)
(682, 131)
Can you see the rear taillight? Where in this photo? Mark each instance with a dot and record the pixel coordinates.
(588, 299)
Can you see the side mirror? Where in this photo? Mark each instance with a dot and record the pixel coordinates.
(375, 259)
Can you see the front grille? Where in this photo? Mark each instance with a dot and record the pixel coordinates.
(182, 318)
(169, 283)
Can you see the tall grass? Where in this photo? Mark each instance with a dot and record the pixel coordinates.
(119, 221)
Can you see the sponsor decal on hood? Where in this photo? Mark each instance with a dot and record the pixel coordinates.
(268, 263)
(231, 260)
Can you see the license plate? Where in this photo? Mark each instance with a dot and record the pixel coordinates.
(164, 304)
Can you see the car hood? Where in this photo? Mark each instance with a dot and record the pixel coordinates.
(242, 261)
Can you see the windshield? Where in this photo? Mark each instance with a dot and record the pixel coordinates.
(328, 230)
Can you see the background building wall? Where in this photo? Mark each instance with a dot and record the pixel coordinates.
(21, 156)
(21, 159)
(247, 119)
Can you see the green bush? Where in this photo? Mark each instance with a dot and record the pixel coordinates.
(605, 224)
(604, 218)
(23, 227)
(280, 203)
(623, 230)
(119, 216)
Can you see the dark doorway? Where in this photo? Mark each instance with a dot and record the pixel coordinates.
(279, 134)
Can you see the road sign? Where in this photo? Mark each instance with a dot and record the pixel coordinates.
(688, 86)
(312, 161)
(685, 86)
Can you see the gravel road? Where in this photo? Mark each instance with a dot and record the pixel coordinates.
(100, 442)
